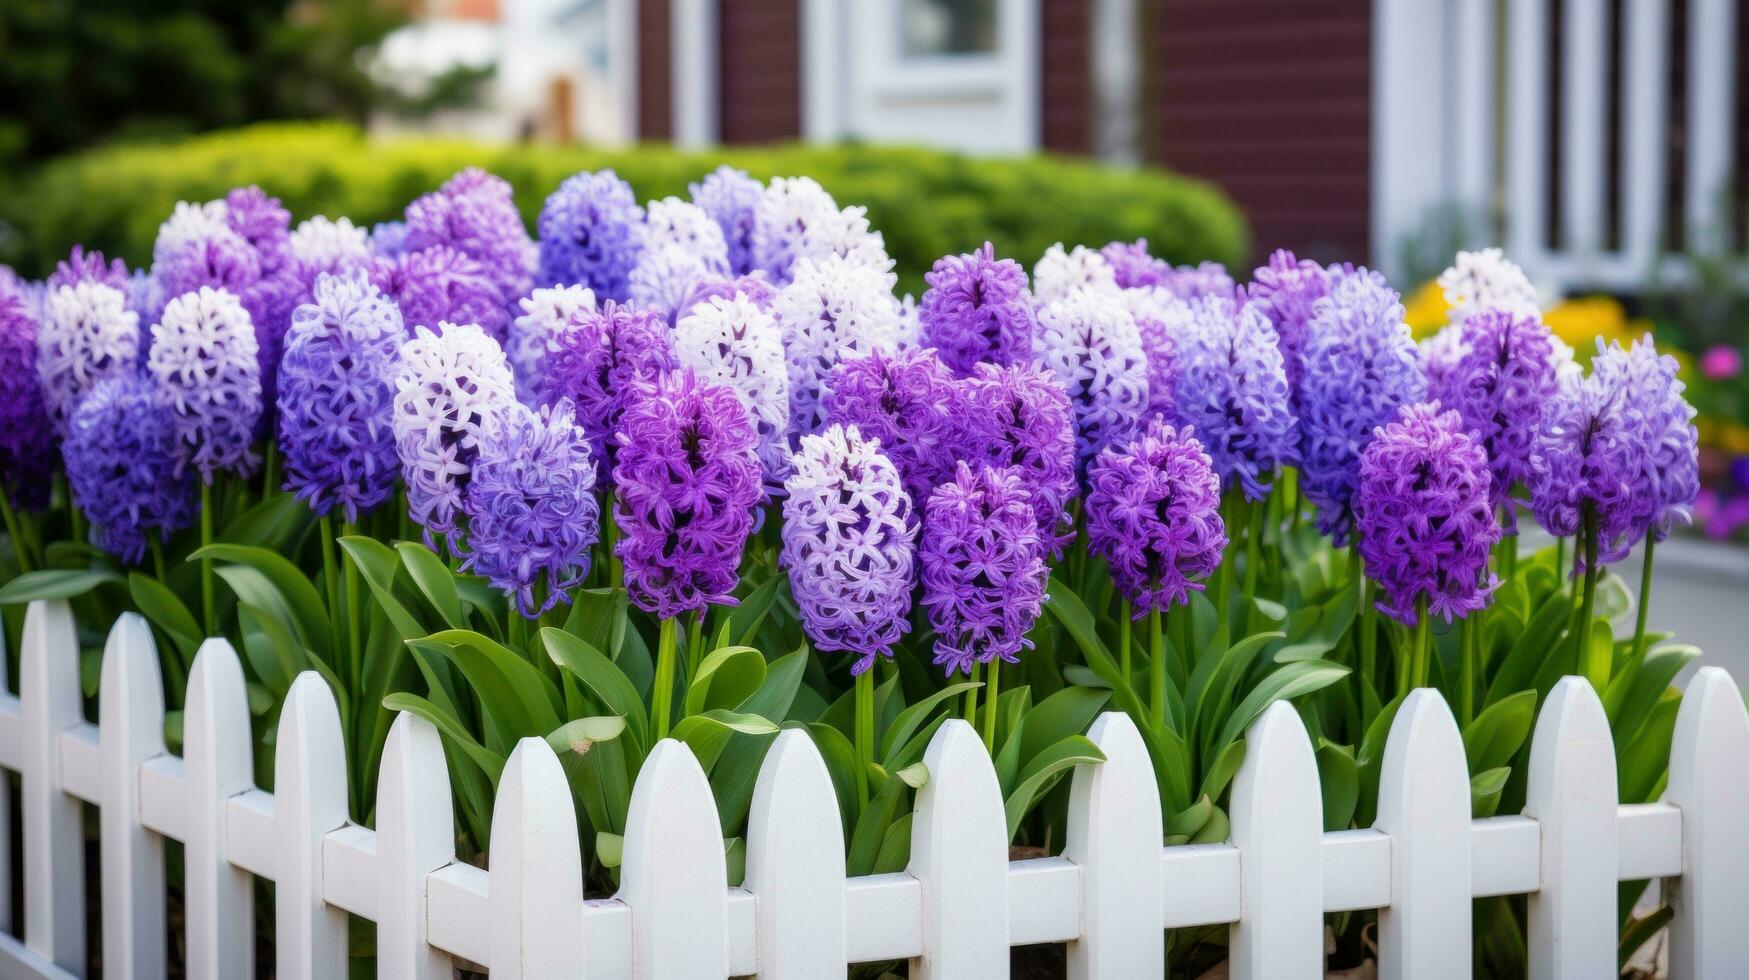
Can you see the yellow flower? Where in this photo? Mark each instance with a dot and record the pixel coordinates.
(1584, 319)
(1729, 437)
(1427, 310)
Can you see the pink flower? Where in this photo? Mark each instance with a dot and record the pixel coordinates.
(1721, 362)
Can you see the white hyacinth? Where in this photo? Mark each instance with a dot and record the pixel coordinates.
(1487, 280)
(797, 220)
(204, 361)
(1090, 344)
(734, 343)
(834, 310)
(545, 312)
(188, 223)
(449, 384)
(336, 245)
(672, 221)
(86, 335)
(1059, 273)
(665, 276)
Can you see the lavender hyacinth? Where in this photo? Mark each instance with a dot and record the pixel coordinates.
(124, 466)
(83, 266)
(1359, 368)
(798, 220)
(545, 314)
(1288, 288)
(203, 360)
(595, 360)
(1426, 520)
(1089, 343)
(336, 397)
(849, 536)
(86, 335)
(590, 234)
(735, 343)
(320, 245)
(27, 439)
(1504, 373)
(447, 385)
(984, 568)
(1189, 282)
(475, 214)
(1132, 267)
(686, 484)
(909, 403)
(1662, 423)
(532, 516)
(732, 199)
(1153, 513)
(1232, 389)
(1018, 417)
(753, 287)
(441, 285)
(1161, 319)
(682, 247)
(977, 309)
(832, 311)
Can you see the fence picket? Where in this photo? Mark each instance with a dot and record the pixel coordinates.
(536, 869)
(1114, 836)
(217, 766)
(1572, 796)
(795, 863)
(674, 876)
(309, 798)
(959, 851)
(415, 836)
(1424, 805)
(130, 715)
(54, 848)
(1279, 833)
(1708, 759)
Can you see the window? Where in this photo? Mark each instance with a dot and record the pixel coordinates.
(947, 27)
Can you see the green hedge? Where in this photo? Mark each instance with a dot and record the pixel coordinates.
(927, 203)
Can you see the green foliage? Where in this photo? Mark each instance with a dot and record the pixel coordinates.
(926, 203)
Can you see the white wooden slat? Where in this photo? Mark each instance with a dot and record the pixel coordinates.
(674, 874)
(1527, 120)
(1571, 794)
(1712, 31)
(1708, 758)
(1424, 805)
(1279, 837)
(1113, 835)
(1505, 856)
(1471, 89)
(81, 765)
(795, 862)
(1200, 885)
(887, 911)
(11, 739)
(458, 897)
(415, 836)
(536, 869)
(54, 848)
(11, 751)
(19, 960)
(163, 807)
(1648, 841)
(1357, 870)
(742, 911)
(693, 70)
(959, 852)
(309, 781)
(216, 766)
(1645, 100)
(250, 839)
(1584, 142)
(349, 870)
(607, 934)
(1044, 901)
(130, 709)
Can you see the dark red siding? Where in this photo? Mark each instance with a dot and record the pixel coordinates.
(761, 69)
(1270, 99)
(655, 102)
(1066, 91)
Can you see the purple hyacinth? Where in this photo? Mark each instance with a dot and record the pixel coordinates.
(1018, 417)
(1133, 267)
(1089, 343)
(83, 266)
(124, 466)
(86, 334)
(1189, 282)
(1288, 288)
(203, 360)
(1359, 367)
(532, 515)
(753, 286)
(1232, 389)
(1154, 513)
(977, 309)
(438, 285)
(447, 385)
(475, 214)
(687, 485)
(909, 403)
(388, 239)
(984, 568)
(1426, 521)
(1505, 372)
(832, 311)
(732, 199)
(595, 360)
(1161, 319)
(27, 439)
(849, 535)
(734, 342)
(1603, 440)
(263, 223)
(591, 234)
(545, 313)
(336, 397)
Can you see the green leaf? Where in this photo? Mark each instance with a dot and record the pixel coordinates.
(581, 734)
(602, 677)
(1485, 789)
(1042, 770)
(1642, 931)
(1226, 766)
(1643, 688)
(1188, 821)
(609, 849)
(1534, 647)
(871, 828)
(1496, 735)
(435, 581)
(517, 697)
(840, 757)
(1339, 779)
(737, 770)
(707, 734)
(1067, 712)
(750, 612)
(54, 583)
(270, 524)
(725, 678)
(310, 616)
(1069, 610)
(160, 605)
(275, 655)
(908, 720)
(490, 763)
(1285, 683)
(377, 563)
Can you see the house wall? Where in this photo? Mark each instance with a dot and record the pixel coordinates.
(760, 62)
(655, 80)
(1066, 76)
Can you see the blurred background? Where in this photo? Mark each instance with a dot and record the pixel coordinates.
(1603, 143)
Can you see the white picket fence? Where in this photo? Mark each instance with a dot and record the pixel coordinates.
(953, 913)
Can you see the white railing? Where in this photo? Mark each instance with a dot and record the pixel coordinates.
(954, 912)
(1463, 115)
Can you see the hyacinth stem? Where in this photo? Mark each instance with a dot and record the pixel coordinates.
(1560, 555)
(354, 605)
(1421, 652)
(209, 619)
(517, 632)
(1466, 670)
(1157, 669)
(971, 706)
(864, 696)
(990, 693)
(1369, 632)
(662, 692)
(1639, 647)
(1179, 624)
(1224, 574)
(20, 547)
(1595, 664)
(331, 580)
(1123, 640)
(158, 566)
(616, 574)
(270, 470)
(1254, 545)
(75, 516)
